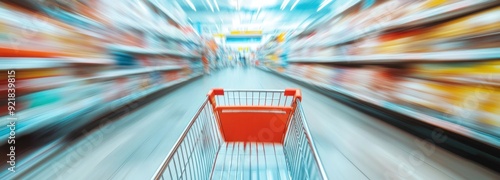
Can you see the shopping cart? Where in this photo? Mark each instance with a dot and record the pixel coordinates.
(245, 134)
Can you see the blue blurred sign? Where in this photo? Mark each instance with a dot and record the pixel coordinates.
(243, 39)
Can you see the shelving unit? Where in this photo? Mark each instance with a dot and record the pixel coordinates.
(87, 108)
(457, 55)
(377, 61)
(32, 63)
(325, 19)
(434, 15)
(85, 59)
(154, 51)
(405, 110)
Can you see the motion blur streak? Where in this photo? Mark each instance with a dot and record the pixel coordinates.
(392, 89)
(352, 145)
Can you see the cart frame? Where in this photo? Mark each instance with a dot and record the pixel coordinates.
(195, 153)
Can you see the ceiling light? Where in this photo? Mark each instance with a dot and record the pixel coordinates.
(216, 5)
(191, 4)
(323, 4)
(294, 4)
(283, 5)
(235, 3)
(253, 4)
(260, 6)
(210, 5)
(236, 21)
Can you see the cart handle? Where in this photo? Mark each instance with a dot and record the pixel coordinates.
(296, 93)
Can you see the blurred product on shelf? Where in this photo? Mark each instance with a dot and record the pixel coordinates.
(437, 58)
(464, 33)
(383, 31)
(84, 59)
(209, 55)
(465, 94)
(27, 34)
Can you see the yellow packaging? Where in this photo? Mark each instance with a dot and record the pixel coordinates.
(430, 94)
(434, 3)
(489, 68)
(492, 107)
(39, 73)
(474, 24)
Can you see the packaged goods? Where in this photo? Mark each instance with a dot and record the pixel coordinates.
(479, 23)
(490, 108)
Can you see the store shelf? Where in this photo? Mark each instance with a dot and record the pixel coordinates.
(34, 119)
(73, 18)
(46, 83)
(152, 51)
(166, 32)
(178, 38)
(171, 12)
(456, 55)
(107, 75)
(31, 63)
(28, 4)
(11, 51)
(89, 60)
(127, 72)
(42, 63)
(315, 24)
(463, 80)
(452, 10)
(31, 85)
(435, 121)
(270, 50)
(425, 17)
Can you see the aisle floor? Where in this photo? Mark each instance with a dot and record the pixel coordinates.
(237, 160)
(351, 145)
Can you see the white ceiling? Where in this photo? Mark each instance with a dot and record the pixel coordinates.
(220, 16)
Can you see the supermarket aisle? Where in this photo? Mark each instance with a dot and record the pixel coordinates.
(352, 145)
